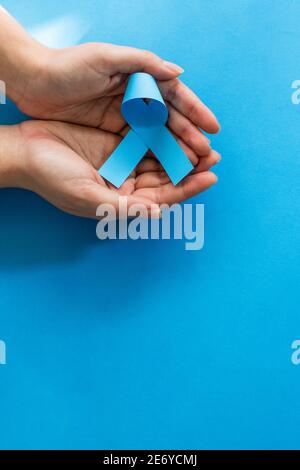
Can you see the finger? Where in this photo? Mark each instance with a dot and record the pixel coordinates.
(124, 131)
(189, 187)
(148, 164)
(155, 176)
(207, 162)
(188, 104)
(188, 132)
(118, 204)
(127, 187)
(151, 179)
(188, 151)
(122, 59)
(106, 114)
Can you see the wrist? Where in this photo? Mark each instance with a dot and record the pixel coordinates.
(23, 70)
(21, 57)
(12, 163)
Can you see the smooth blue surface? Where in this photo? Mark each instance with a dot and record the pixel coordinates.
(148, 132)
(128, 344)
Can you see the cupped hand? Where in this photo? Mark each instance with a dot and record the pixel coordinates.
(61, 162)
(85, 84)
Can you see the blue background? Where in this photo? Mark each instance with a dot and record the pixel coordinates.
(141, 344)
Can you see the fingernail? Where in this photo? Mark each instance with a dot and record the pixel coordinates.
(173, 67)
(219, 158)
(216, 179)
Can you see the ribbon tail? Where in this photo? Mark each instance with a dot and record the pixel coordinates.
(124, 159)
(162, 143)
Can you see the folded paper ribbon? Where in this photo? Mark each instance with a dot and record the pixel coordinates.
(148, 131)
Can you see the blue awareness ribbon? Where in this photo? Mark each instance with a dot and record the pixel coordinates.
(147, 120)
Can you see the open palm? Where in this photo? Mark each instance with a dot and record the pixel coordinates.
(62, 162)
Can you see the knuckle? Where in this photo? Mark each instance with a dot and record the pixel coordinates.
(193, 108)
(172, 90)
(149, 56)
(186, 133)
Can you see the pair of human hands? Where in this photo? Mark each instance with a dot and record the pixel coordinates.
(75, 96)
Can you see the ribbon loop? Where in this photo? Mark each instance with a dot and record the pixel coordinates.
(147, 121)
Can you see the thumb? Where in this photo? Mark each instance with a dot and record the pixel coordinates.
(122, 59)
